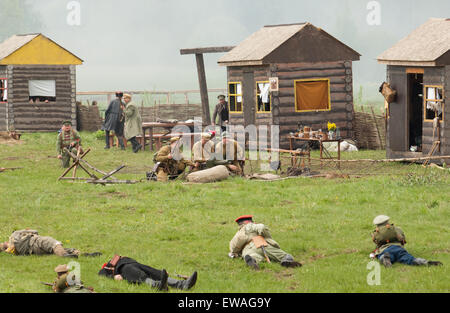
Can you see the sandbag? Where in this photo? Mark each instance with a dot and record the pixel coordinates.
(216, 173)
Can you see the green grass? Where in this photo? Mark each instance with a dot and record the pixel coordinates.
(325, 224)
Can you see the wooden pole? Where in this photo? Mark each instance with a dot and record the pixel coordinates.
(203, 87)
(388, 160)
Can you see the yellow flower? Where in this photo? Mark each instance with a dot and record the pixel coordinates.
(331, 126)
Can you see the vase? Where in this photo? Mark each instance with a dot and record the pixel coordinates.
(331, 135)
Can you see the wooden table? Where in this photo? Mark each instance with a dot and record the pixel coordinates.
(322, 149)
(152, 125)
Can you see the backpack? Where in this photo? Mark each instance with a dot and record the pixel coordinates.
(387, 234)
(21, 240)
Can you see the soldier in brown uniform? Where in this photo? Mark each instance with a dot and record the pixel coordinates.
(203, 151)
(66, 282)
(171, 163)
(70, 139)
(228, 152)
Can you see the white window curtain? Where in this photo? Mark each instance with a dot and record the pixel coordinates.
(42, 88)
(5, 92)
(264, 88)
(433, 93)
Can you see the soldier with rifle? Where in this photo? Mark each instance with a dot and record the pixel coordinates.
(390, 240)
(66, 282)
(70, 139)
(228, 152)
(255, 244)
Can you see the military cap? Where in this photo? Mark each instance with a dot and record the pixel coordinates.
(119, 94)
(380, 219)
(243, 218)
(61, 268)
(221, 97)
(67, 122)
(173, 139)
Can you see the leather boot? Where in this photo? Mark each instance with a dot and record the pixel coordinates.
(251, 262)
(107, 139)
(385, 259)
(183, 284)
(160, 285)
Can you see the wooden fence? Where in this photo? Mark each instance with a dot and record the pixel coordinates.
(370, 130)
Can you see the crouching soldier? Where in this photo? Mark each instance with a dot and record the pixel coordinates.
(171, 163)
(120, 268)
(228, 152)
(390, 240)
(66, 282)
(70, 139)
(27, 242)
(248, 243)
(203, 151)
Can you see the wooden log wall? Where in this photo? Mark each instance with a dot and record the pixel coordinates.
(446, 124)
(433, 76)
(41, 116)
(283, 102)
(3, 106)
(88, 118)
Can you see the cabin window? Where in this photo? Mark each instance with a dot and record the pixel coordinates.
(433, 102)
(42, 91)
(235, 97)
(3, 90)
(263, 99)
(312, 95)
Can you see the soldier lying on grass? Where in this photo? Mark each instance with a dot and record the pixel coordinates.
(27, 242)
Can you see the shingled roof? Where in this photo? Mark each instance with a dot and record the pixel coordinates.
(302, 42)
(14, 43)
(428, 45)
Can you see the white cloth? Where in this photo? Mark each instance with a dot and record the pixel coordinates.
(264, 88)
(5, 91)
(433, 105)
(42, 88)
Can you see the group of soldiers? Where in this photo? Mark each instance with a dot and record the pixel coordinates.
(252, 242)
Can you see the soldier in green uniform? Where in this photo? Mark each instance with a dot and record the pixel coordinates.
(390, 240)
(171, 162)
(67, 283)
(28, 241)
(243, 245)
(67, 138)
(228, 152)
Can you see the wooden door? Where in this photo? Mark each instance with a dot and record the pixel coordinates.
(397, 131)
(248, 90)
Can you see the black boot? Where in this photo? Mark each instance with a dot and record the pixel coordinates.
(122, 146)
(434, 263)
(183, 284)
(251, 262)
(160, 285)
(93, 254)
(291, 264)
(386, 259)
(107, 139)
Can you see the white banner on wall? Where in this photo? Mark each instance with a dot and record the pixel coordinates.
(42, 88)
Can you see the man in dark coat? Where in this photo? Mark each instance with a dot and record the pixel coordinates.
(120, 268)
(221, 111)
(112, 118)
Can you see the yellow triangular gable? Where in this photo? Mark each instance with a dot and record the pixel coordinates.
(43, 51)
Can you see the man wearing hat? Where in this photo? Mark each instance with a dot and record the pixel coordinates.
(390, 240)
(228, 152)
(112, 121)
(133, 123)
(221, 111)
(243, 245)
(171, 161)
(67, 138)
(66, 282)
(203, 151)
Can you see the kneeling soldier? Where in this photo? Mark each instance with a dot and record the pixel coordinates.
(120, 268)
(248, 243)
(171, 163)
(66, 282)
(390, 240)
(229, 153)
(203, 153)
(70, 139)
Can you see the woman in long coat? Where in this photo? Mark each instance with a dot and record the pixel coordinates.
(133, 123)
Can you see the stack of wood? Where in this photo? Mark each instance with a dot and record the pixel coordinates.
(88, 117)
(370, 130)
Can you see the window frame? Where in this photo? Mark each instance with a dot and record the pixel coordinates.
(257, 95)
(51, 100)
(4, 88)
(312, 80)
(235, 95)
(425, 100)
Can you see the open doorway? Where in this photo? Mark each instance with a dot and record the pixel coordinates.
(415, 111)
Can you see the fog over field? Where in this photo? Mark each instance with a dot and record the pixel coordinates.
(134, 45)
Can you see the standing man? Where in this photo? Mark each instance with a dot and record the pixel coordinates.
(243, 245)
(390, 240)
(203, 153)
(221, 110)
(67, 138)
(112, 116)
(133, 123)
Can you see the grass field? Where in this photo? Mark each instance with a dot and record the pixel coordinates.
(325, 224)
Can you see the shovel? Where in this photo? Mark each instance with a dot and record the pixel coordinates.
(260, 242)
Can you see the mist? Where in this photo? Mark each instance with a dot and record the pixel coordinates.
(134, 44)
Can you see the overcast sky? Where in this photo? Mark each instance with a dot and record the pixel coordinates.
(134, 44)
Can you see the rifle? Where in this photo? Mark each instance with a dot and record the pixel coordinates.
(260, 242)
(46, 284)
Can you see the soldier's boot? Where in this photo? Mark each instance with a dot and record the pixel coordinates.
(107, 139)
(251, 262)
(160, 285)
(288, 261)
(122, 146)
(93, 254)
(183, 284)
(435, 263)
(385, 259)
(59, 250)
(420, 261)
